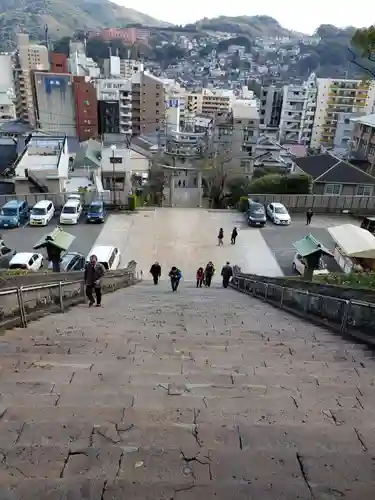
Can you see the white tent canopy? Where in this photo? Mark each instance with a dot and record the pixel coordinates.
(354, 241)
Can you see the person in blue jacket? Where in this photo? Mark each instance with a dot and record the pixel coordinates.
(175, 276)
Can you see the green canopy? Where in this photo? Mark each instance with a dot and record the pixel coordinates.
(59, 238)
(310, 245)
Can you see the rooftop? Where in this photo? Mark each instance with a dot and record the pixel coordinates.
(245, 109)
(368, 120)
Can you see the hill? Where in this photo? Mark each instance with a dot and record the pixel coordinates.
(63, 17)
(252, 26)
(331, 57)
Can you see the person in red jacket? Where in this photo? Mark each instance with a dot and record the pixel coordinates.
(200, 277)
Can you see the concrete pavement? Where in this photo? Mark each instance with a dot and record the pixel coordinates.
(199, 394)
(187, 238)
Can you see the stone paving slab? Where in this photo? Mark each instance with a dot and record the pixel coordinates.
(204, 394)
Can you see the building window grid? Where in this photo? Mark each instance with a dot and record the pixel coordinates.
(364, 190)
(333, 189)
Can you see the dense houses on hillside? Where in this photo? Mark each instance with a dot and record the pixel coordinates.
(67, 119)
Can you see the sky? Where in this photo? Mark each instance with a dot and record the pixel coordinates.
(291, 14)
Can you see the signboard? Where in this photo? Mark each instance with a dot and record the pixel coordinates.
(174, 103)
(115, 159)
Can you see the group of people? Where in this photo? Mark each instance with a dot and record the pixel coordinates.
(204, 275)
(233, 236)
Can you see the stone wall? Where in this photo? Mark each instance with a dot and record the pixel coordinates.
(346, 316)
(24, 303)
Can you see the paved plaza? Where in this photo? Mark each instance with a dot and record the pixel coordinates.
(201, 394)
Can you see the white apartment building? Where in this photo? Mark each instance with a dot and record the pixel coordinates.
(118, 92)
(124, 68)
(26, 58)
(79, 63)
(335, 98)
(297, 112)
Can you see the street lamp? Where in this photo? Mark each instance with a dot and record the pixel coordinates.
(113, 149)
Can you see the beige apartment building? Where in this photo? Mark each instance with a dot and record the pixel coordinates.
(338, 99)
(28, 57)
(210, 101)
(148, 103)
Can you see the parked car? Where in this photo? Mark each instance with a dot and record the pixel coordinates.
(255, 215)
(27, 260)
(96, 212)
(278, 214)
(14, 213)
(41, 213)
(6, 255)
(299, 265)
(71, 212)
(109, 256)
(71, 261)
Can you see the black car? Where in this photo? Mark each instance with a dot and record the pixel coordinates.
(256, 215)
(6, 255)
(71, 261)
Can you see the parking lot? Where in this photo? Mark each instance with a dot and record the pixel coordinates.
(280, 239)
(23, 239)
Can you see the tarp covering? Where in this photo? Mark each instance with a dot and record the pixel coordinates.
(354, 241)
(59, 238)
(309, 245)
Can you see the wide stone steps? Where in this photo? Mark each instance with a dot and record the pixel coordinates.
(201, 394)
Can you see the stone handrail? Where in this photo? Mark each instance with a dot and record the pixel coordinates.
(21, 304)
(348, 317)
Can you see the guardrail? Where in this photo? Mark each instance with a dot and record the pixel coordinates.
(25, 303)
(348, 317)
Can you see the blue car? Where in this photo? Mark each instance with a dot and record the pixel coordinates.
(13, 214)
(96, 212)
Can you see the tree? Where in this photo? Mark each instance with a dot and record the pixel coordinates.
(364, 42)
(262, 171)
(281, 184)
(216, 176)
(154, 189)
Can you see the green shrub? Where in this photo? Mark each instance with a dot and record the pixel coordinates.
(243, 204)
(281, 184)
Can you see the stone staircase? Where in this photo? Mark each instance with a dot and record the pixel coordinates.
(200, 394)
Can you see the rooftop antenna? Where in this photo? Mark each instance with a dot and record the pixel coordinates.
(46, 35)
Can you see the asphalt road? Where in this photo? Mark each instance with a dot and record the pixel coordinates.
(280, 239)
(22, 239)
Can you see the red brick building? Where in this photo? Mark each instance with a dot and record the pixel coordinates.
(86, 108)
(58, 63)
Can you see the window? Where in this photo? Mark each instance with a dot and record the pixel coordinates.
(346, 121)
(333, 189)
(364, 190)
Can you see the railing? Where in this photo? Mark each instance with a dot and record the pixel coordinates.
(25, 303)
(349, 317)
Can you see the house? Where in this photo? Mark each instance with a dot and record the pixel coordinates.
(363, 142)
(270, 153)
(43, 165)
(334, 176)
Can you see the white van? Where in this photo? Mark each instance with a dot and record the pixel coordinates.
(41, 213)
(109, 256)
(71, 212)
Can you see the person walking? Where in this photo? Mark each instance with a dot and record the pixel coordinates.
(94, 271)
(220, 237)
(208, 273)
(200, 277)
(175, 276)
(226, 273)
(234, 236)
(155, 272)
(309, 215)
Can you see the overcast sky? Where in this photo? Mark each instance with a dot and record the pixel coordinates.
(292, 14)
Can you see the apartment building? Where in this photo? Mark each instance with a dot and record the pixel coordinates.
(86, 108)
(28, 57)
(236, 135)
(271, 101)
(58, 63)
(362, 146)
(148, 103)
(336, 98)
(297, 112)
(7, 96)
(54, 103)
(211, 102)
(125, 68)
(115, 108)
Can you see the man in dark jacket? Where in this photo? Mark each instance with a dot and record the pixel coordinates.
(208, 274)
(155, 272)
(226, 273)
(175, 276)
(234, 236)
(94, 271)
